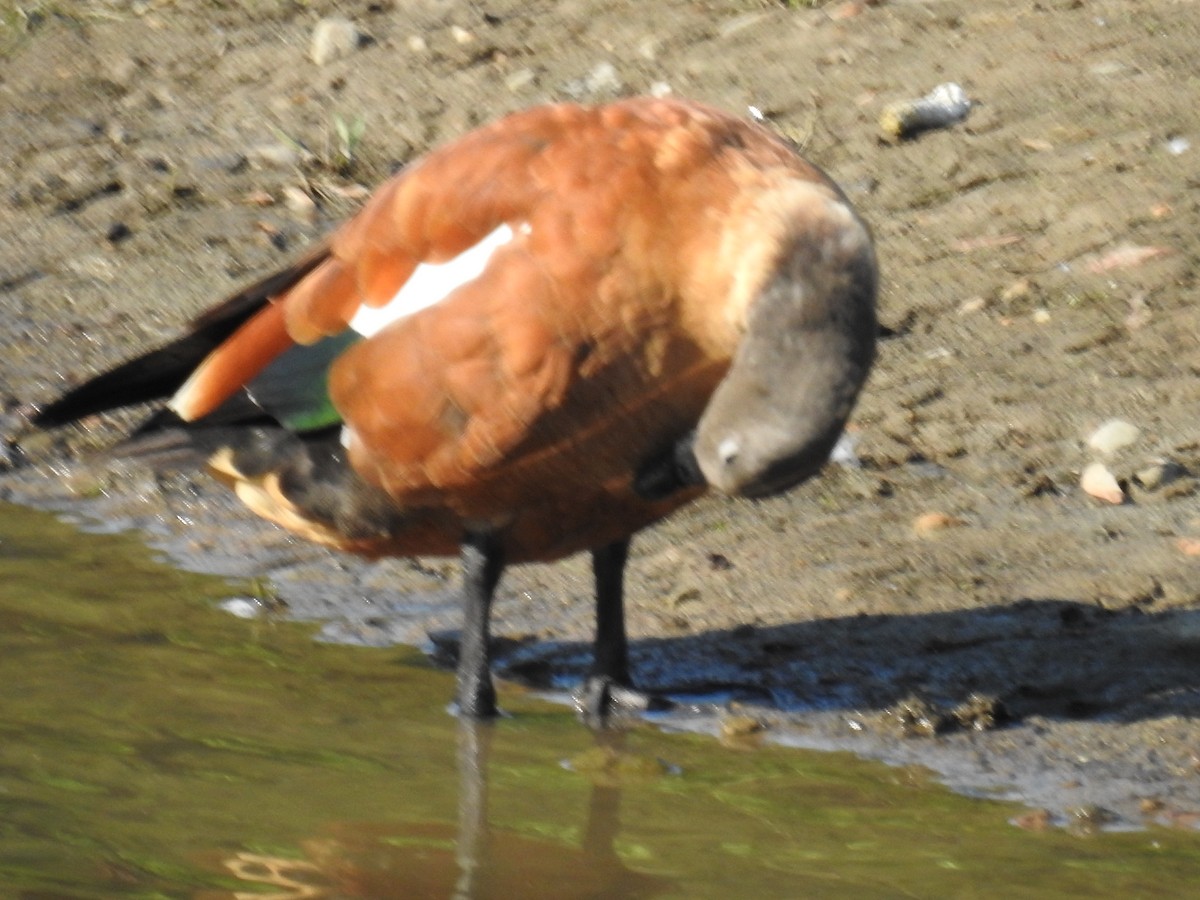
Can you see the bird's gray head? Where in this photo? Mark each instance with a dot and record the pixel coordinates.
(809, 344)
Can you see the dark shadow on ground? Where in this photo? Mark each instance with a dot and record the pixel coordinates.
(1048, 657)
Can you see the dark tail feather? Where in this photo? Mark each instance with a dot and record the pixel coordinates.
(160, 373)
(153, 376)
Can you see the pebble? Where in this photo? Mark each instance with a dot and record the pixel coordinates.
(648, 48)
(92, 265)
(241, 607)
(737, 726)
(1018, 290)
(1035, 820)
(946, 105)
(520, 79)
(603, 79)
(1158, 474)
(930, 523)
(848, 10)
(118, 232)
(1100, 483)
(1124, 256)
(276, 154)
(740, 23)
(123, 70)
(1177, 146)
(843, 453)
(259, 197)
(298, 201)
(334, 37)
(1114, 435)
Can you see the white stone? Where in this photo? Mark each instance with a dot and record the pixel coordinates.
(333, 38)
(1100, 483)
(241, 607)
(1114, 435)
(520, 79)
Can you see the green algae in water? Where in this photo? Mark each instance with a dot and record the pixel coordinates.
(153, 746)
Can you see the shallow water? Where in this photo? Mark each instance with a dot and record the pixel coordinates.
(154, 746)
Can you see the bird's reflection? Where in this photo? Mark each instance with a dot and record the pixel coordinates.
(474, 862)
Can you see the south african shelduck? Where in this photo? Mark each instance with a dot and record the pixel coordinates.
(536, 340)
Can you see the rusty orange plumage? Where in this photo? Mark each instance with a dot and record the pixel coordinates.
(628, 249)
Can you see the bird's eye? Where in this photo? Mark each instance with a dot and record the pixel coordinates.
(727, 450)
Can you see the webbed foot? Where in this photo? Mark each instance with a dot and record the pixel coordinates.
(602, 700)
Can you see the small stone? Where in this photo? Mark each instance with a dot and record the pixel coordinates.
(1018, 290)
(930, 523)
(520, 79)
(1158, 474)
(1124, 256)
(461, 35)
(732, 26)
(739, 726)
(980, 712)
(242, 608)
(1038, 145)
(416, 44)
(259, 197)
(122, 70)
(118, 232)
(946, 105)
(1139, 312)
(334, 37)
(1036, 820)
(915, 717)
(1177, 146)
(1041, 315)
(648, 48)
(1089, 819)
(1188, 546)
(92, 265)
(276, 154)
(1114, 435)
(843, 453)
(604, 78)
(660, 89)
(972, 305)
(1100, 483)
(298, 201)
(847, 10)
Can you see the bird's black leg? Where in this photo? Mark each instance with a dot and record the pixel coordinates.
(608, 689)
(610, 659)
(482, 565)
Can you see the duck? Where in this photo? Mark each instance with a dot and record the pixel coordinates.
(533, 341)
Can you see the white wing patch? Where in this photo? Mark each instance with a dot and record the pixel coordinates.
(431, 283)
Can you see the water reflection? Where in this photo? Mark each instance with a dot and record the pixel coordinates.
(474, 862)
(151, 746)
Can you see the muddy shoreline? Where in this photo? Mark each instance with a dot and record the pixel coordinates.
(1038, 281)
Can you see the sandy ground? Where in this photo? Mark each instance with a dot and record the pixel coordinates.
(1038, 281)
